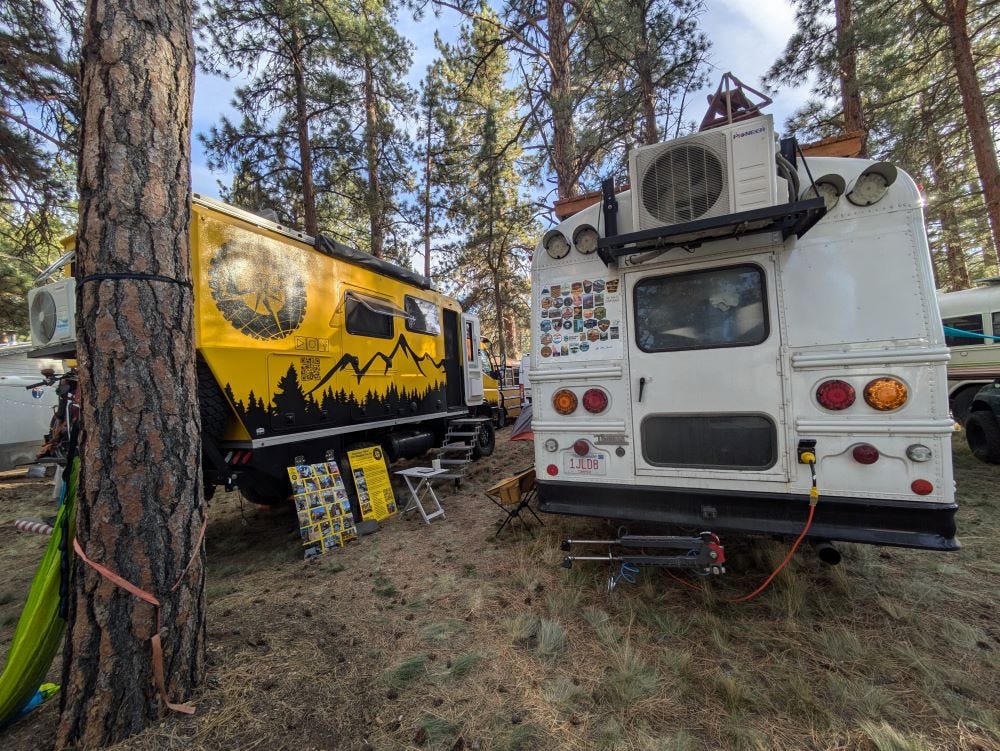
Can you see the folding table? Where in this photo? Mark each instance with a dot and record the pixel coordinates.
(422, 476)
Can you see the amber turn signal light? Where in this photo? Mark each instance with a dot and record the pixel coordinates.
(886, 394)
(564, 401)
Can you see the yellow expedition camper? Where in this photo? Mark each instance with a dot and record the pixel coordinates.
(307, 347)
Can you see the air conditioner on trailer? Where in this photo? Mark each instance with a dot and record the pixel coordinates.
(53, 313)
(726, 170)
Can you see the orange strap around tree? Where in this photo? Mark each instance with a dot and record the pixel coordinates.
(155, 642)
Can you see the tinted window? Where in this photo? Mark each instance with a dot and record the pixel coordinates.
(996, 326)
(972, 324)
(364, 321)
(712, 441)
(423, 316)
(701, 309)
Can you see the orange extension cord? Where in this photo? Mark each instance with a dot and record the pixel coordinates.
(813, 500)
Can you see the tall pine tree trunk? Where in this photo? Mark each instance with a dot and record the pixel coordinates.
(561, 100)
(957, 270)
(141, 504)
(302, 127)
(850, 93)
(983, 147)
(644, 70)
(427, 198)
(371, 153)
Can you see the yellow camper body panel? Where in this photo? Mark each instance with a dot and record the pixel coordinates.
(270, 322)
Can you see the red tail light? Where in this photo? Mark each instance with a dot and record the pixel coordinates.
(922, 487)
(595, 401)
(865, 453)
(835, 394)
(552, 470)
(581, 447)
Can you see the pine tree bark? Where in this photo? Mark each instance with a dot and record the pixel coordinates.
(141, 503)
(644, 71)
(850, 92)
(302, 128)
(983, 146)
(561, 100)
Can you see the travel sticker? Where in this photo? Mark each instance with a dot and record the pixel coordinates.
(579, 319)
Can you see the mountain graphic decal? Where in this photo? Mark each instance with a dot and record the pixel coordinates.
(291, 408)
(402, 346)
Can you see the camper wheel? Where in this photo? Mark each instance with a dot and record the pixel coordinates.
(485, 441)
(214, 411)
(264, 489)
(983, 434)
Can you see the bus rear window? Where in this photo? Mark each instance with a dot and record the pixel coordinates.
(701, 309)
(971, 323)
(742, 442)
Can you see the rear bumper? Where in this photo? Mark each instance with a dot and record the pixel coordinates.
(909, 524)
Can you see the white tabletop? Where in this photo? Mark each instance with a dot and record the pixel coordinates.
(420, 472)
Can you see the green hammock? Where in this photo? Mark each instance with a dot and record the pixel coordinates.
(40, 630)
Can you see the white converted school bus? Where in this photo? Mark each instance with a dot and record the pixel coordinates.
(694, 336)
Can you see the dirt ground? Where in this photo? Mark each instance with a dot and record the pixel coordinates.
(444, 637)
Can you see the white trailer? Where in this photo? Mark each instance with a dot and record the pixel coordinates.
(697, 337)
(975, 356)
(26, 412)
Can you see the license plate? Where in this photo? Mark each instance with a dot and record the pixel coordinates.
(591, 464)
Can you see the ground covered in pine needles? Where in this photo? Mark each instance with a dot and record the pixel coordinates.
(443, 637)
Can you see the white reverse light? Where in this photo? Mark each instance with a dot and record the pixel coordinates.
(872, 184)
(555, 244)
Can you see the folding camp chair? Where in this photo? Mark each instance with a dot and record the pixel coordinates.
(513, 495)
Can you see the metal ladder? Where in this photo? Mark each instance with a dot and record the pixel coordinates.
(456, 450)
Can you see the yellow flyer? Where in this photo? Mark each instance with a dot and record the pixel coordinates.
(371, 478)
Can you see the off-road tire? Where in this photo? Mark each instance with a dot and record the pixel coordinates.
(983, 434)
(501, 418)
(961, 403)
(263, 489)
(484, 442)
(214, 410)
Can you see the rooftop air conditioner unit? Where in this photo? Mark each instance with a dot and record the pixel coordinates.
(726, 170)
(52, 309)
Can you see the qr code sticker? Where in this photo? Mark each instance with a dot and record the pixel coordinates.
(310, 369)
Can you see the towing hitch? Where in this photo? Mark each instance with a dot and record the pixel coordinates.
(705, 554)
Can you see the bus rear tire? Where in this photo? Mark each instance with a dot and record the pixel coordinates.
(983, 434)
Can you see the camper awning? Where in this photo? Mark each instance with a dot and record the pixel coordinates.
(378, 305)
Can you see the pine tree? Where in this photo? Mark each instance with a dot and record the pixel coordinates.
(493, 221)
(141, 509)
(39, 103)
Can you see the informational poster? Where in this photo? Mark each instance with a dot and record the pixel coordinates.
(580, 319)
(371, 479)
(322, 505)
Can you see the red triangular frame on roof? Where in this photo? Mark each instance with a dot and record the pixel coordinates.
(731, 103)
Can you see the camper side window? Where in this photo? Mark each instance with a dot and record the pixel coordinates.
(701, 309)
(424, 318)
(973, 324)
(364, 321)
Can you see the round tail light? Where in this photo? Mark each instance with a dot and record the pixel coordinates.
(922, 487)
(835, 394)
(581, 447)
(865, 453)
(595, 401)
(564, 401)
(885, 394)
(552, 470)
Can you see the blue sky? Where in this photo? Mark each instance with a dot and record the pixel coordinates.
(746, 39)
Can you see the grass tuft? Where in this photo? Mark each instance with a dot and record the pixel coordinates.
(886, 738)
(464, 664)
(437, 728)
(628, 680)
(405, 672)
(551, 639)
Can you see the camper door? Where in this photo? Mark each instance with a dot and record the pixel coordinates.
(704, 368)
(472, 371)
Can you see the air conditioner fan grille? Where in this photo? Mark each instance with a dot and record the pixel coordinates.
(683, 184)
(43, 316)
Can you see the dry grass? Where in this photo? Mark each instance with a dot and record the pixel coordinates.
(443, 637)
